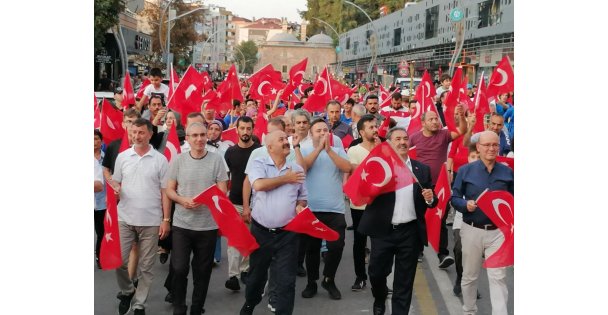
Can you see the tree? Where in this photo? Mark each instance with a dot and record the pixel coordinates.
(183, 35)
(106, 17)
(247, 56)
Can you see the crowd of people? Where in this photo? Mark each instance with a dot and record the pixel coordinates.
(301, 161)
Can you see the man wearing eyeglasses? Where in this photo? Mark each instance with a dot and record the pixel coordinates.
(495, 123)
(479, 236)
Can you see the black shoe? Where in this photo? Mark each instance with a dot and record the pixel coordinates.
(359, 285)
(196, 310)
(301, 271)
(125, 303)
(169, 298)
(233, 284)
(330, 286)
(350, 228)
(246, 309)
(310, 290)
(420, 257)
(244, 277)
(445, 262)
(457, 289)
(139, 311)
(379, 309)
(163, 258)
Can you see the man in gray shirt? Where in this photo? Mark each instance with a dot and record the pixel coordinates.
(194, 230)
(279, 195)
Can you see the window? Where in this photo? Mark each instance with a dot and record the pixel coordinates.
(348, 43)
(368, 34)
(397, 37)
(432, 18)
(284, 69)
(355, 46)
(489, 13)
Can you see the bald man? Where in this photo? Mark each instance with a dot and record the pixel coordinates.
(279, 194)
(479, 236)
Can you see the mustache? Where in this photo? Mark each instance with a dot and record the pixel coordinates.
(286, 146)
(245, 137)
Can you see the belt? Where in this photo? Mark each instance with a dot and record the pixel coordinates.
(402, 225)
(487, 227)
(274, 231)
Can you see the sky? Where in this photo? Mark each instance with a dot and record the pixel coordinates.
(263, 8)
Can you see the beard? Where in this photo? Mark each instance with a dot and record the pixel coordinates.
(245, 138)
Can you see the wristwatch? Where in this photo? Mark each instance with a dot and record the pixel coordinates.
(167, 220)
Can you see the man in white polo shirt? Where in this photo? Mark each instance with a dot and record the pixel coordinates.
(144, 212)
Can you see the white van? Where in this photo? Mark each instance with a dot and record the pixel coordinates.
(404, 84)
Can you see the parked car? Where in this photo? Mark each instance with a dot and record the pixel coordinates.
(107, 95)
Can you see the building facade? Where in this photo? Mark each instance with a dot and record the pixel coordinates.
(425, 33)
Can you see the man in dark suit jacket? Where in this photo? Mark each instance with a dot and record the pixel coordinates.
(395, 223)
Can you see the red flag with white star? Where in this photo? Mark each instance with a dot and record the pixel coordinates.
(228, 220)
(230, 136)
(306, 222)
(110, 256)
(320, 95)
(111, 122)
(502, 79)
(498, 206)
(382, 171)
(172, 148)
(140, 92)
(127, 92)
(433, 216)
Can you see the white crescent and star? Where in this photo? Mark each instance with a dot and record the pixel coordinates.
(109, 237)
(260, 88)
(388, 174)
(109, 218)
(191, 88)
(172, 150)
(427, 84)
(109, 122)
(496, 203)
(301, 73)
(216, 202)
(324, 85)
(503, 75)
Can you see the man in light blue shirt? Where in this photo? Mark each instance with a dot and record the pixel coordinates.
(280, 194)
(325, 165)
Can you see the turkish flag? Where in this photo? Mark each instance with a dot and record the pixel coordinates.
(172, 148)
(188, 96)
(426, 86)
(320, 95)
(383, 129)
(482, 106)
(110, 256)
(124, 143)
(411, 152)
(96, 115)
(127, 92)
(230, 136)
(383, 94)
(347, 140)
(294, 100)
(510, 162)
(434, 216)
(452, 100)
(228, 90)
(235, 85)
(140, 92)
(265, 84)
(382, 171)
(305, 222)
(502, 79)
(498, 206)
(439, 72)
(415, 122)
(261, 124)
(302, 87)
(228, 220)
(111, 122)
(339, 91)
(207, 83)
(296, 75)
(173, 81)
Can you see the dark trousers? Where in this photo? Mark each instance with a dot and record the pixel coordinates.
(358, 245)
(458, 255)
(443, 239)
(302, 249)
(202, 245)
(99, 216)
(279, 252)
(403, 243)
(336, 222)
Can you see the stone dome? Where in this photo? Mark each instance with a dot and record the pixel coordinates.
(284, 37)
(321, 39)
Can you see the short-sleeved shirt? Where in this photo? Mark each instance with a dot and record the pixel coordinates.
(324, 181)
(236, 159)
(432, 151)
(341, 129)
(100, 197)
(192, 177)
(345, 120)
(141, 181)
(262, 151)
(402, 122)
(275, 208)
(163, 89)
(356, 155)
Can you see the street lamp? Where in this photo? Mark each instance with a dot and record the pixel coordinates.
(372, 59)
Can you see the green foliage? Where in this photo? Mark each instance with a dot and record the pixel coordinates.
(106, 16)
(248, 58)
(342, 16)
